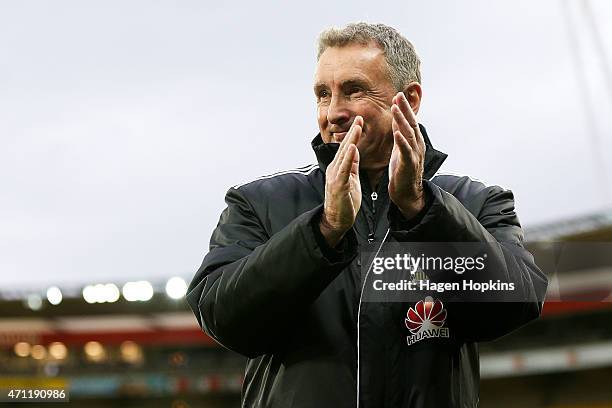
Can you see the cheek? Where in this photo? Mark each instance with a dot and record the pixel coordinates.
(322, 117)
(322, 121)
(377, 114)
(384, 121)
(377, 128)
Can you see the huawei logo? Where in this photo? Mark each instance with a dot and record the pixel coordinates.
(426, 320)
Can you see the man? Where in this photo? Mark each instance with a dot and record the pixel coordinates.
(281, 283)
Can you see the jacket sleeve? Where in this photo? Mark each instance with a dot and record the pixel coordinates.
(251, 287)
(447, 220)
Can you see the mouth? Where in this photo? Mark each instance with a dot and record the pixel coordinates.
(338, 137)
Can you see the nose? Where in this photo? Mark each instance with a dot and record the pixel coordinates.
(337, 112)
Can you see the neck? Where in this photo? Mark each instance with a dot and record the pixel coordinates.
(374, 176)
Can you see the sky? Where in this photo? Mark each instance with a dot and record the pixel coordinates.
(123, 124)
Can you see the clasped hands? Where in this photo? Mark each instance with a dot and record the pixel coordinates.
(342, 186)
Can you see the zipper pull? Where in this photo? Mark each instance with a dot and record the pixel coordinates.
(374, 197)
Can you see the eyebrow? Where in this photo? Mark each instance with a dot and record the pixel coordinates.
(352, 82)
(318, 86)
(349, 82)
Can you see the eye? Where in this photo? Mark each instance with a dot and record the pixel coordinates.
(355, 90)
(323, 95)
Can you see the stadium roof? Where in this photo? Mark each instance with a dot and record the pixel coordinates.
(597, 226)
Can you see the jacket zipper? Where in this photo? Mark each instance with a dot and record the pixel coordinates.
(374, 197)
(372, 225)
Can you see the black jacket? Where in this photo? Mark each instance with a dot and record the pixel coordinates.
(271, 289)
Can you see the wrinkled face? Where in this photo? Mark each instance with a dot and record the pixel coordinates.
(350, 81)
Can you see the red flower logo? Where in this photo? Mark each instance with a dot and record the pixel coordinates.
(427, 314)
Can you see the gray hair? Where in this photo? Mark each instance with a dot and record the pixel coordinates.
(403, 62)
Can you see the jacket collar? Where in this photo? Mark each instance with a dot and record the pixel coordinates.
(326, 152)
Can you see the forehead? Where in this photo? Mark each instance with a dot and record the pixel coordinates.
(353, 61)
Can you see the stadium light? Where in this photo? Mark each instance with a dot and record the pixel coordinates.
(94, 351)
(54, 295)
(34, 301)
(22, 349)
(89, 294)
(131, 352)
(111, 293)
(176, 287)
(38, 352)
(101, 293)
(137, 291)
(58, 350)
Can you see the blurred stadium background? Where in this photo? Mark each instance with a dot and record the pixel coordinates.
(136, 344)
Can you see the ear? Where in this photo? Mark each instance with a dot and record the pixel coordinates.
(414, 93)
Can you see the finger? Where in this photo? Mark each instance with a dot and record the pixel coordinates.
(356, 127)
(355, 165)
(404, 147)
(342, 149)
(354, 139)
(346, 165)
(340, 152)
(403, 126)
(347, 160)
(406, 109)
(348, 133)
